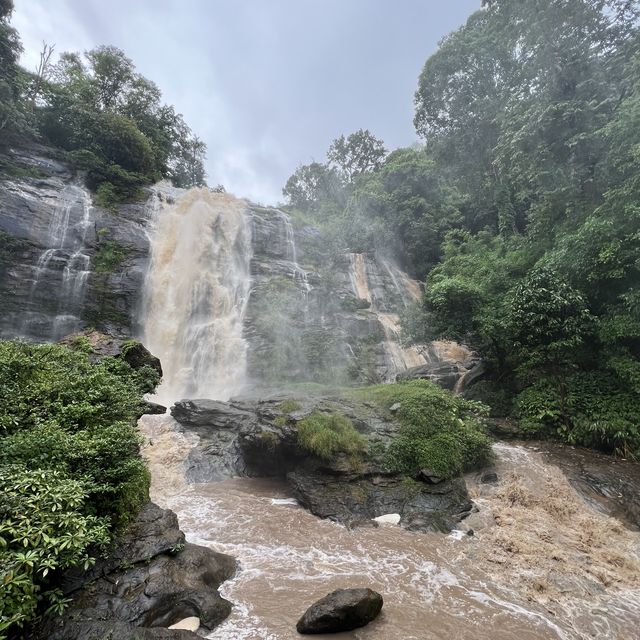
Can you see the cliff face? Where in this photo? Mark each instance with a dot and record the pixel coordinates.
(65, 262)
(315, 312)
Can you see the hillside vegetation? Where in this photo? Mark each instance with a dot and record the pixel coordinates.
(71, 475)
(105, 118)
(519, 210)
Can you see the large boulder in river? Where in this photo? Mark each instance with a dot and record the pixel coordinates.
(341, 610)
(259, 438)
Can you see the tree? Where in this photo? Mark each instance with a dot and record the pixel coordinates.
(312, 184)
(112, 73)
(407, 196)
(358, 153)
(187, 170)
(547, 322)
(14, 116)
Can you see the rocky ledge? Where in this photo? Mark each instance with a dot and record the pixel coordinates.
(150, 581)
(259, 438)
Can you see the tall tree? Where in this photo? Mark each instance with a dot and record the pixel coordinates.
(358, 153)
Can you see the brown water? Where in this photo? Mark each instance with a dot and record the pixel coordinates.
(542, 563)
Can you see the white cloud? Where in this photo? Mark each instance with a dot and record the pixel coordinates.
(267, 85)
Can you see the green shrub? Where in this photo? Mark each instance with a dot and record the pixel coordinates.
(590, 409)
(438, 430)
(70, 470)
(44, 528)
(107, 196)
(289, 406)
(327, 435)
(109, 256)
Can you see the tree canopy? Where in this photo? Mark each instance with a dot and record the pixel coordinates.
(519, 209)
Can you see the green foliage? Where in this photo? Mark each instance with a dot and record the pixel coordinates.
(109, 256)
(70, 469)
(100, 108)
(328, 435)
(20, 171)
(439, 431)
(289, 406)
(358, 153)
(592, 409)
(547, 321)
(44, 528)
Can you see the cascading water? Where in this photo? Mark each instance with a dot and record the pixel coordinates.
(298, 273)
(398, 357)
(196, 294)
(65, 261)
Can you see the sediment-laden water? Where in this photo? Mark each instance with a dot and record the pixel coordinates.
(542, 562)
(197, 292)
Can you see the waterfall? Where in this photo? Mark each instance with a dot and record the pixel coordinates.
(64, 262)
(196, 294)
(298, 272)
(397, 357)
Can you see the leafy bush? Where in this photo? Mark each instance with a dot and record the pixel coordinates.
(327, 435)
(44, 528)
(589, 409)
(70, 470)
(439, 431)
(109, 256)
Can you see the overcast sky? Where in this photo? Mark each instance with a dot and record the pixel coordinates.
(266, 83)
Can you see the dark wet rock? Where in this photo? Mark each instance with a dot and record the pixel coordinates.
(429, 476)
(134, 353)
(610, 485)
(489, 477)
(154, 408)
(256, 438)
(341, 610)
(28, 205)
(152, 578)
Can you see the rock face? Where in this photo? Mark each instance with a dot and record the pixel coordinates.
(314, 313)
(66, 263)
(258, 438)
(150, 581)
(341, 610)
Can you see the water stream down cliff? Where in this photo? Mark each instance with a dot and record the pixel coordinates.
(542, 563)
(242, 300)
(196, 295)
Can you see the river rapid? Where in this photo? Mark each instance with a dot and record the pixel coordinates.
(542, 561)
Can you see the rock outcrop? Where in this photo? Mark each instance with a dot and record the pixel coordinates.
(151, 580)
(314, 314)
(258, 438)
(341, 610)
(134, 353)
(66, 263)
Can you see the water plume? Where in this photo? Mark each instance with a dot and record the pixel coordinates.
(196, 292)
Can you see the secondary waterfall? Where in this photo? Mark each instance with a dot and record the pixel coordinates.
(196, 294)
(65, 261)
(398, 358)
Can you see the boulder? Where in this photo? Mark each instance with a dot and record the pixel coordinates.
(151, 580)
(429, 476)
(341, 610)
(258, 438)
(134, 353)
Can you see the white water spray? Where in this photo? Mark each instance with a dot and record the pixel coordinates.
(196, 293)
